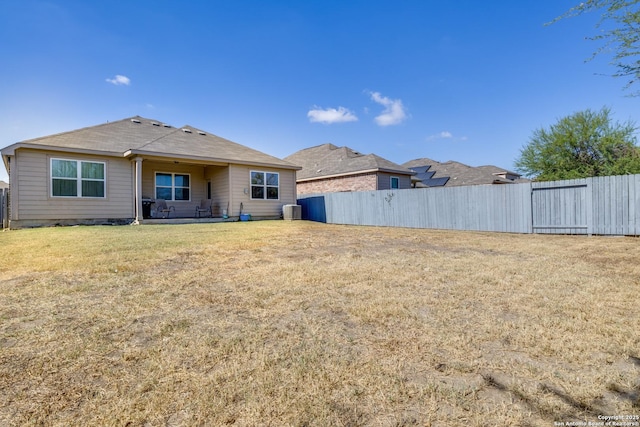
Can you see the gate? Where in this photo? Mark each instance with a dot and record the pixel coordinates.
(561, 207)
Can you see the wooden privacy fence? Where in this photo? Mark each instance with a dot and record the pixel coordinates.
(601, 205)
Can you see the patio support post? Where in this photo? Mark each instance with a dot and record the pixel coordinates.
(138, 195)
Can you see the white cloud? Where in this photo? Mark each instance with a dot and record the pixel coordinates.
(394, 112)
(331, 115)
(445, 135)
(442, 135)
(119, 80)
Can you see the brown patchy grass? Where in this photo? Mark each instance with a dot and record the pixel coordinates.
(306, 324)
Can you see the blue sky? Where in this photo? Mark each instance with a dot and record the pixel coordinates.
(468, 81)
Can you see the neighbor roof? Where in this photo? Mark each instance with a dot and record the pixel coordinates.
(142, 136)
(328, 160)
(451, 173)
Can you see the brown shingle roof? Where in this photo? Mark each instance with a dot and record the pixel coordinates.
(329, 160)
(138, 135)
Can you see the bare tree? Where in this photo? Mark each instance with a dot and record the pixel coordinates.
(619, 28)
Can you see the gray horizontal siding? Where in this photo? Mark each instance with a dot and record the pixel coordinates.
(384, 180)
(240, 180)
(31, 191)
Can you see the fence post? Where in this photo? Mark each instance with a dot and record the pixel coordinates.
(589, 205)
(3, 208)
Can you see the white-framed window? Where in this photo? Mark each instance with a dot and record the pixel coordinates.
(173, 186)
(78, 178)
(265, 185)
(395, 182)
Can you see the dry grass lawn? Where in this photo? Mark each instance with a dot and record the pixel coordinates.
(295, 323)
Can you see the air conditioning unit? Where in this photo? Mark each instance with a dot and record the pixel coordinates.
(291, 212)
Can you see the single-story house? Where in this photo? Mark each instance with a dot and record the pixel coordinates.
(3, 186)
(328, 168)
(430, 173)
(125, 171)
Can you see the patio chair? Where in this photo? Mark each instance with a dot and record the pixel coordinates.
(163, 209)
(204, 209)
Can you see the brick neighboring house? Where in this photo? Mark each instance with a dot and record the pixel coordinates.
(327, 168)
(430, 173)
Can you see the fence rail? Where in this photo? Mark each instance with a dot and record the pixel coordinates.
(602, 205)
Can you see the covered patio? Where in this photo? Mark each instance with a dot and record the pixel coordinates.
(171, 189)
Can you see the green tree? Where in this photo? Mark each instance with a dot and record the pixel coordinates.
(581, 145)
(619, 27)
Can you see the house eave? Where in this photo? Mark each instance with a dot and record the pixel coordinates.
(11, 150)
(353, 173)
(397, 172)
(269, 165)
(203, 159)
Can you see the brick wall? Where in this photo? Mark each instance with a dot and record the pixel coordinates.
(362, 182)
